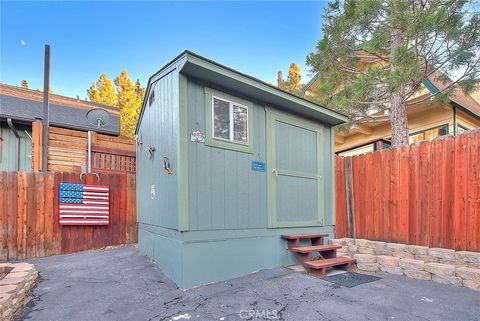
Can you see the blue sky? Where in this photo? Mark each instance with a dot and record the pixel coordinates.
(91, 38)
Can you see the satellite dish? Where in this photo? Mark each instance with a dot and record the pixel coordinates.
(98, 117)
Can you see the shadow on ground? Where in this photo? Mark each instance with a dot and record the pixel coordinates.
(122, 284)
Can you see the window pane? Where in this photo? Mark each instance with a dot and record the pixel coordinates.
(416, 138)
(436, 132)
(221, 119)
(239, 124)
(461, 129)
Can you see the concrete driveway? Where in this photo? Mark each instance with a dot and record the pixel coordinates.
(122, 284)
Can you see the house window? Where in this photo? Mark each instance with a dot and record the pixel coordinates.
(229, 121)
(429, 134)
(461, 129)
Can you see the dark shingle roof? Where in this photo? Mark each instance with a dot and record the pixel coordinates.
(26, 105)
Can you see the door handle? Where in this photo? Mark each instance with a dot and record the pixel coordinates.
(274, 171)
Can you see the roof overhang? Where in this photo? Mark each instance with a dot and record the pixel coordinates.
(212, 72)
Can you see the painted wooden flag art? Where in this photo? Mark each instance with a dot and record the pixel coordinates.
(84, 204)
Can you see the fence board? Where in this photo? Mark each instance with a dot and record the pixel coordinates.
(342, 224)
(394, 193)
(426, 194)
(40, 215)
(435, 192)
(460, 192)
(385, 195)
(424, 170)
(447, 194)
(21, 219)
(3, 217)
(12, 212)
(377, 199)
(29, 215)
(414, 195)
(57, 230)
(404, 183)
(473, 203)
(48, 216)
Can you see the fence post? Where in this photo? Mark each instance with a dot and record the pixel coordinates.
(37, 134)
(349, 196)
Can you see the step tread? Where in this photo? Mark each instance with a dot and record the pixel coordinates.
(303, 236)
(315, 248)
(321, 264)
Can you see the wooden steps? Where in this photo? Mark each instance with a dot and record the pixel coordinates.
(303, 236)
(321, 264)
(316, 248)
(327, 253)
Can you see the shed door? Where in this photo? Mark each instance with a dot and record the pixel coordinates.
(295, 171)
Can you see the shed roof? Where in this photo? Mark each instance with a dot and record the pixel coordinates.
(210, 71)
(26, 105)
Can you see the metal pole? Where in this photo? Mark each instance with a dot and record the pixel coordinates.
(89, 156)
(46, 109)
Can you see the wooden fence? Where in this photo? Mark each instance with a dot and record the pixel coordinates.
(29, 225)
(426, 194)
(67, 151)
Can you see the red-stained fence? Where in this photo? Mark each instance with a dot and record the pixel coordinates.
(29, 225)
(425, 194)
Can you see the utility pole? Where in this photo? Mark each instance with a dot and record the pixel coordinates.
(46, 107)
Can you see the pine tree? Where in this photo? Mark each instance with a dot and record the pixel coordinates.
(130, 98)
(103, 92)
(139, 90)
(24, 83)
(293, 83)
(375, 54)
(125, 95)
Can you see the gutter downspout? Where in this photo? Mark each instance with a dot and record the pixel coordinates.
(454, 120)
(17, 149)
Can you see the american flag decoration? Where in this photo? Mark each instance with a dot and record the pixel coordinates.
(84, 204)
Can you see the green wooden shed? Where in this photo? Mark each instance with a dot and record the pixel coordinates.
(226, 164)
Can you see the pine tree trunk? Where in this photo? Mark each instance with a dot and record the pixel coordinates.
(398, 112)
(399, 121)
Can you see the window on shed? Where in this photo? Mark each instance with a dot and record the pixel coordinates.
(151, 97)
(230, 121)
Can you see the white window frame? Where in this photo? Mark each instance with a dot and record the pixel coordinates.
(231, 123)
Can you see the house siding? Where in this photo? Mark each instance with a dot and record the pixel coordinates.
(223, 192)
(8, 160)
(159, 128)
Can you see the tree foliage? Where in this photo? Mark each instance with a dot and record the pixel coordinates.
(103, 92)
(24, 83)
(293, 84)
(124, 94)
(130, 97)
(375, 54)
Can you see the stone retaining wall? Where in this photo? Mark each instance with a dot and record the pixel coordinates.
(15, 288)
(457, 268)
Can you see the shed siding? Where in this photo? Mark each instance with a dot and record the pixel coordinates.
(159, 129)
(224, 193)
(9, 147)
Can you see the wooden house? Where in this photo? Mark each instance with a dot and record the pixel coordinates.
(226, 164)
(21, 112)
(428, 118)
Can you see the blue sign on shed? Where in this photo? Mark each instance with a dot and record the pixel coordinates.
(258, 166)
